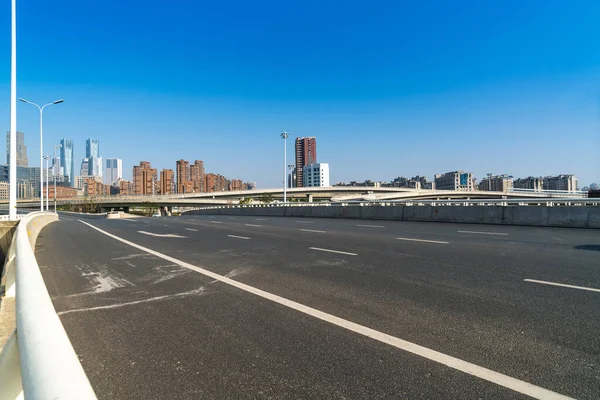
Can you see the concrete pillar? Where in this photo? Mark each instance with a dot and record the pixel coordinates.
(309, 198)
(164, 211)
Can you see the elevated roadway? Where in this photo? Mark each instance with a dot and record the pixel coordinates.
(248, 307)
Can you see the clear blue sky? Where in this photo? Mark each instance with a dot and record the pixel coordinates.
(388, 88)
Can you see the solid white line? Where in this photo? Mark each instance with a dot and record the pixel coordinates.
(304, 222)
(444, 359)
(260, 219)
(484, 233)
(333, 251)
(68, 219)
(371, 226)
(190, 229)
(312, 230)
(216, 222)
(423, 240)
(239, 237)
(562, 285)
(253, 225)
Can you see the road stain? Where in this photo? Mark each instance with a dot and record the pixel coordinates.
(200, 291)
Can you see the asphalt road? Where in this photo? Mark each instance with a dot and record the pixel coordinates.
(151, 323)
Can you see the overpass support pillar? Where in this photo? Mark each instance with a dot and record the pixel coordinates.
(165, 211)
(126, 210)
(309, 198)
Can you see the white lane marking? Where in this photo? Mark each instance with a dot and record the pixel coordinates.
(456, 363)
(422, 240)
(68, 219)
(304, 222)
(484, 233)
(333, 251)
(371, 226)
(253, 225)
(216, 222)
(260, 219)
(190, 229)
(170, 235)
(128, 220)
(312, 230)
(239, 237)
(562, 285)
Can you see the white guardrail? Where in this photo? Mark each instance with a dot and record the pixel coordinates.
(38, 360)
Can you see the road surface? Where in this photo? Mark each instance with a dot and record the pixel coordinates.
(248, 307)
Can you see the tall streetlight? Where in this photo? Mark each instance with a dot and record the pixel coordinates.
(12, 178)
(41, 143)
(55, 173)
(285, 136)
(46, 158)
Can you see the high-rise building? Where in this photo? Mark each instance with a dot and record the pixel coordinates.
(21, 150)
(167, 181)
(113, 170)
(67, 162)
(455, 180)
(216, 183)
(306, 154)
(316, 175)
(95, 166)
(531, 183)
(92, 148)
(144, 178)
(197, 176)
(566, 183)
(85, 167)
(183, 176)
(498, 183)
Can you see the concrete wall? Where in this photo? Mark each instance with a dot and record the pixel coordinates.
(559, 216)
(7, 230)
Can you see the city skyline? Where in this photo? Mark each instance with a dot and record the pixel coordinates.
(481, 102)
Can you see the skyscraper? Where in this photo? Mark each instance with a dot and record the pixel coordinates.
(67, 163)
(167, 183)
(85, 167)
(92, 148)
(144, 178)
(113, 170)
(183, 176)
(306, 154)
(197, 176)
(21, 150)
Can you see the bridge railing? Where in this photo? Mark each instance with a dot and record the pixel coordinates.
(545, 202)
(38, 360)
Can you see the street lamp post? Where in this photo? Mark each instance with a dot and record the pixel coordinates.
(41, 144)
(285, 136)
(46, 158)
(489, 175)
(55, 173)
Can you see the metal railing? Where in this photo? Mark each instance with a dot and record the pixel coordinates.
(38, 361)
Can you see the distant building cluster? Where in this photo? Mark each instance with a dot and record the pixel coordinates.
(185, 179)
(466, 181)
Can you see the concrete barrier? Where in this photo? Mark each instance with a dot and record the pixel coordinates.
(38, 361)
(554, 216)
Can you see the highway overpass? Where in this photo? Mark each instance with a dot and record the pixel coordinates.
(256, 307)
(335, 194)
